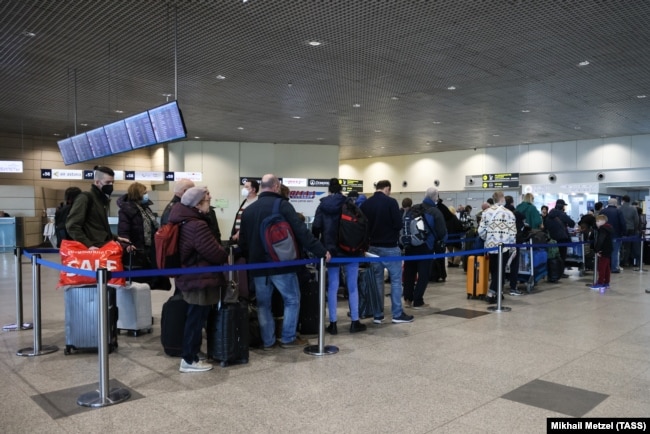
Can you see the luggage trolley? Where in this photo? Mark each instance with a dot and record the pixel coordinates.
(575, 255)
(531, 274)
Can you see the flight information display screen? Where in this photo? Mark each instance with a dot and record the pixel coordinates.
(82, 147)
(118, 137)
(167, 122)
(140, 130)
(67, 151)
(99, 142)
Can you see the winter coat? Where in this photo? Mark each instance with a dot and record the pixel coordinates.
(616, 219)
(130, 224)
(604, 240)
(384, 220)
(326, 223)
(250, 239)
(198, 248)
(87, 221)
(557, 222)
(531, 214)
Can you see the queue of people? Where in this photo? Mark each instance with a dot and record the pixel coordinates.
(200, 245)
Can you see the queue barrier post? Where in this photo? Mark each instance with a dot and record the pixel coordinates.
(640, 268)
(37, 349)
(103, 396)
(499, 307)
(19, 324)
(321, 349)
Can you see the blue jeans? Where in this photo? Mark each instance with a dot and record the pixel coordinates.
(395, 272)
(197, 315)
(616, 260)
(352, 280)
(287, 285)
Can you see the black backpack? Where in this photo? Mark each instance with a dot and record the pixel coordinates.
(59, 224)
(353, 229)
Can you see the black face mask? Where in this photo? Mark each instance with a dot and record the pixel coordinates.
(107, 190)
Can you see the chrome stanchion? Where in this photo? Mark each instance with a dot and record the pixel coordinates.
(499, 307)
(103, 396)
(37, 349)
(595, 271)
(641, 242)
(321, 349)
(19, 295)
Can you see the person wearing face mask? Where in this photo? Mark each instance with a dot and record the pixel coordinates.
(137, 223)
(88, 218)
(249, 193)
(197, 248)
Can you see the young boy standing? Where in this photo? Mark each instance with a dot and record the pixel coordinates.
(603, 246)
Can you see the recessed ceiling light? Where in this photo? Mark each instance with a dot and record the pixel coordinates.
(29, 34)
(84, 125)
(577, 127)
(583, 63)
(439, 141)
(296, 117)
(369, 156)
(394, 98)
(356, 105)
(314, 43)
(436, 122)
(320, 138)
(166, 95)
(489, 144)
(382, 147)
(641, 96)
(525, 111)
(220, 77)
(377, 131)
(240, 128)
(196, 137)
(495, 135)
(451, 88)
(56, 134)
(119, 111)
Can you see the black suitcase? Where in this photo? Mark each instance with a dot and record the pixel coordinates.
(172, 325)
(370, 301)
(81, 319)
(309, 306)
(228, 334)
(555, 269)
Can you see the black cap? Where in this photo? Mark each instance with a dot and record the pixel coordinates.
(353, 194)
(560, 203)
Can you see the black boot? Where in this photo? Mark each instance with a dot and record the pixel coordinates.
(331, 329)
(356, 327)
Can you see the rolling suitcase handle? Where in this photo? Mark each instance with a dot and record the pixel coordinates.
(232, 289)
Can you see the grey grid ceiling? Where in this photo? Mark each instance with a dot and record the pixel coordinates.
(396, 60)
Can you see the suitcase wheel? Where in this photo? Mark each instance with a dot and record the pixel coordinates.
(469, 296)
(67, 350)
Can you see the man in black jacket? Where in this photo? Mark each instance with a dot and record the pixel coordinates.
(284, 279)
(384, 223)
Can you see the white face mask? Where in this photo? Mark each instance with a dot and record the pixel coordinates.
(244, 192)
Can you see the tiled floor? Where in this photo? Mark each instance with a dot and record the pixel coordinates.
(562, 351)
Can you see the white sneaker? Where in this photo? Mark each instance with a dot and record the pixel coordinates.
(199, 366)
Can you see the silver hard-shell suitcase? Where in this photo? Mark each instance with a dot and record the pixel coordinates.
(81, 318)
(134, 305)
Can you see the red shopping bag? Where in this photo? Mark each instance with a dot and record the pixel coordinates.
(77, 255)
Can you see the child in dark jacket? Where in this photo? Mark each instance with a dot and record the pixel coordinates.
(603, 247)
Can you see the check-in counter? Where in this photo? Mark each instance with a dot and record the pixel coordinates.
(11, 233)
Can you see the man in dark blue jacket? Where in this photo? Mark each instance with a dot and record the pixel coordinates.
(284, 279)
(556, 223)
(385, 222)
(436, 231)
(617, 220)
(326, 226)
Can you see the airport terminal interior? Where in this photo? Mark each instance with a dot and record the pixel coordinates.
(562, 350)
